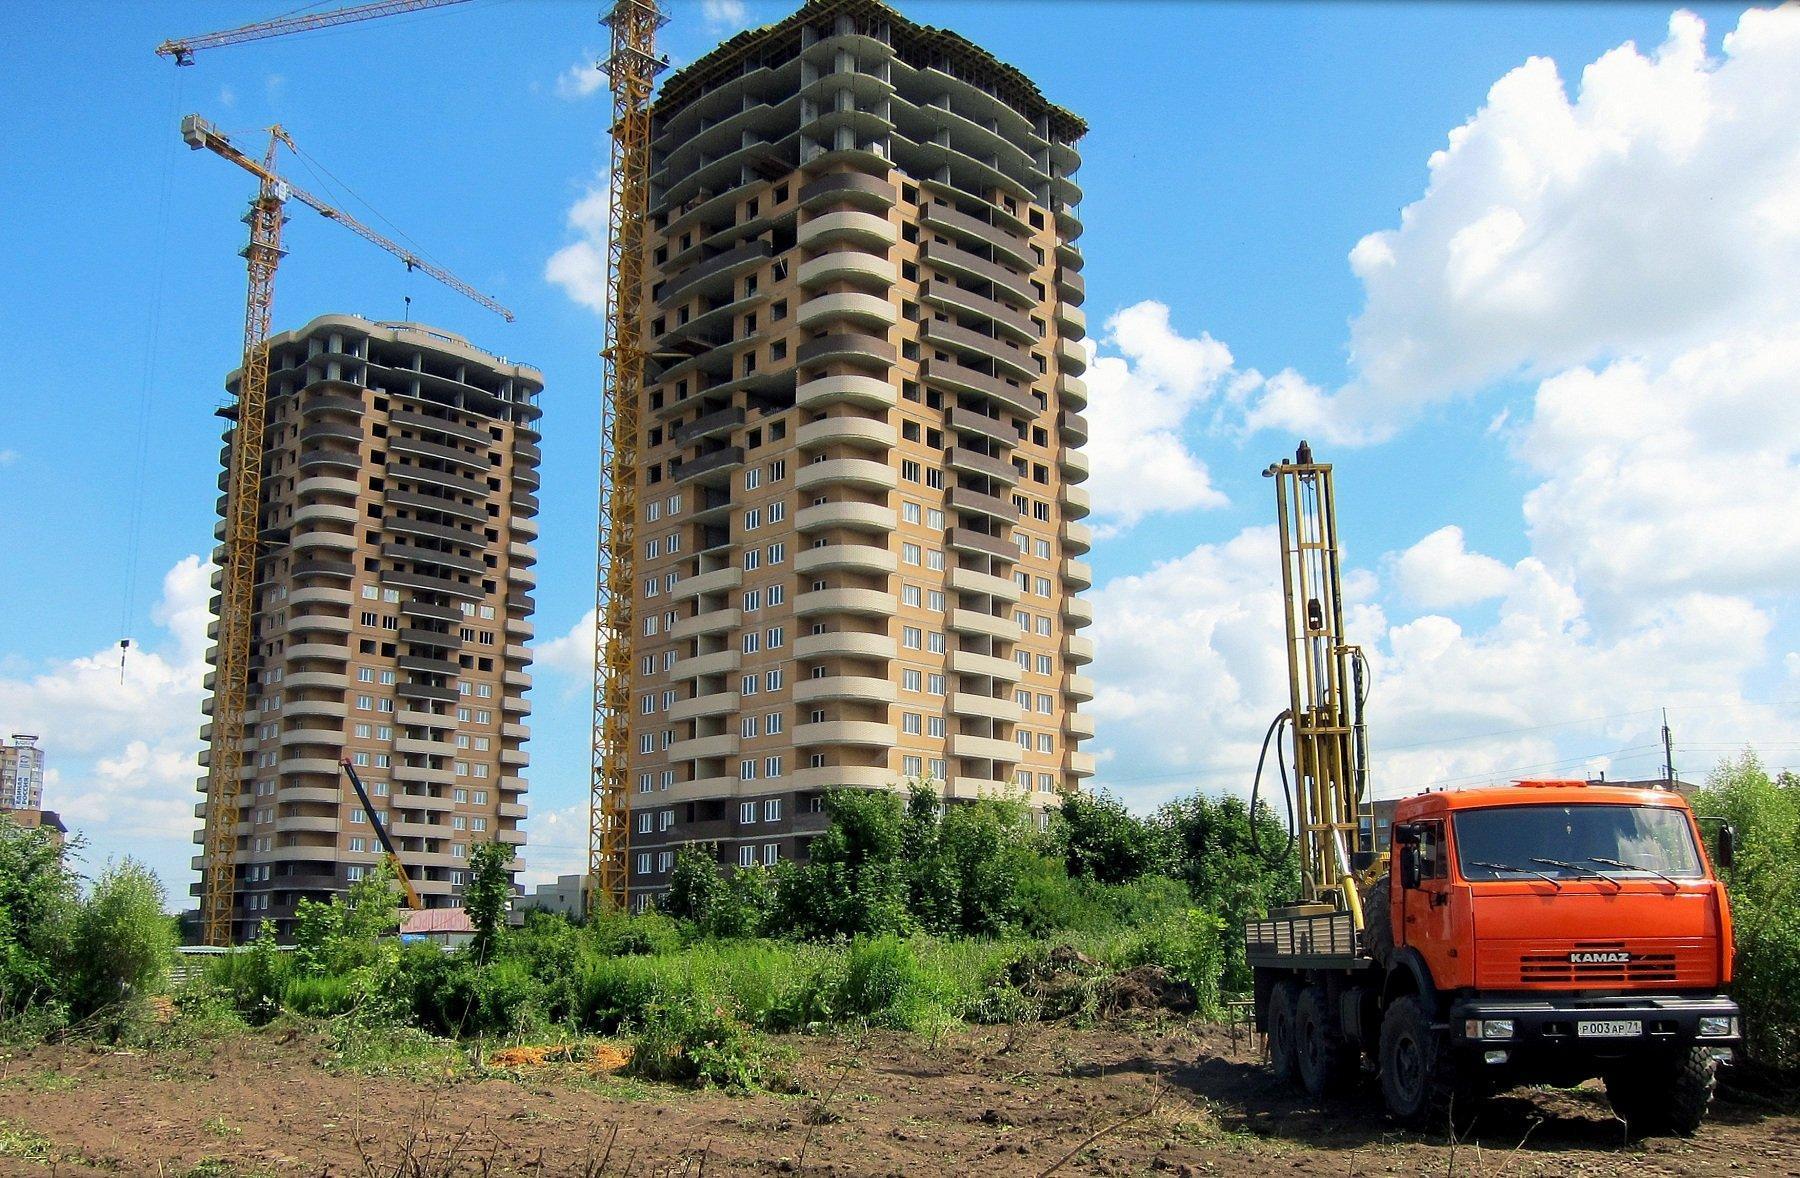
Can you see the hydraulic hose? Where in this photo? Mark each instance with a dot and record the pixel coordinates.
(1256, 785)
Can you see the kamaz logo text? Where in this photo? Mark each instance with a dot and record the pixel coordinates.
(1599, 958)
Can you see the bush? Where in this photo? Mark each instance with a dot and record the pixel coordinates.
(1191, 947)
(699, 1044)
(314, 996)
(254, 976)
(38, 902)
(121, 942)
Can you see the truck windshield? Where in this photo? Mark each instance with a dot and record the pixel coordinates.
(1568, 842)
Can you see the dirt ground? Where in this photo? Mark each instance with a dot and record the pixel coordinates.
(1180, 1099)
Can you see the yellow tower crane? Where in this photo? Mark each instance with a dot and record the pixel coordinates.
(243, 497)
(631, 68)
(182, 49)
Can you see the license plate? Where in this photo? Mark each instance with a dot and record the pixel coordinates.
(1608, 1028)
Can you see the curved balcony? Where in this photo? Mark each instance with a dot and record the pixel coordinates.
(968, 662)
(844, 644)
(873, 603)
(956, 378)
(1072, 357)
(1077, 612)
(721, 662)
(1074, 392)
(304, 623)
(1071, 321)
(845, 777)
(313, 540)
(846, 688)
(329, 709)
(986, 748)
(321, 484)
(1075, 466)
(330, 652)
(848, 188)
(1078, 726)
(701, 748)
(717, 581)
(852, 266)
(1081, 764)
(867, 733)
(712, 622)
(319, 595)
(847, 225)
(867, 392)
(861, 349)
(335, 513)
(305, 680)
(1077, 538)
(1076, 502)
(867, 433)
(972, 621)
(954, 223)
(1077, 650)
(852, 558)
(1077, 573)
(985, 465)
(851, 472)
(871, 312)
(969, 581)
(1073, 427)
(859, 517)
(1079, 688)
(1014, 361)
(1005, 711)
(719, 703)
(982, 544)
(951, 260)
(315, 460)
(714, 469)
(966, 502)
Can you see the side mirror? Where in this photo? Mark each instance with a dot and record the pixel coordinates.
(1727, 846)
(1409, 866)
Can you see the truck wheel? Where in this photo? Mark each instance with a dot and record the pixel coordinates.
(1418, 1075)
(1668, 1095)
(1283, 1058)
(1324, 1061)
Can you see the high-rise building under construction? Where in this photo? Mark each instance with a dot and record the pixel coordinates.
(393, 605)
(859, 516)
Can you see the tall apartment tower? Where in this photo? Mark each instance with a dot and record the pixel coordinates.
(861, 499)
(392, 611)
(21, 773)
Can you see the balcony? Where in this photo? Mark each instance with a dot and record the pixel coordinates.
(1071, 320)
(721, 662)
(1077, 573)
(955, 378)
(972, 621)
(450, 429)
(1077, 650)
(717, 581)
(867, 733)
(943, 293)
(853, 558)
(948, 259)
(1077, 537)
(1079, 688)
(1081, 764)
(845, 777)
(998, 430)
(861, 517)
(1077, 612)
(953, 338)
(844, 688)
(866, 351)
(719, 703)
(964, 501)
(1004, 711)
(1077, 726)
(714, 469)
(969, 540)
(848, 188)
(1073, 427)
(984, 748)
(867, 433)
(856, 228)
(1076, 503)
(968, 662)
(1072, 357)
(954, 223)
(853, 266)
(861, 602)
(1075, 466)
(986, 465)
(867, 392)
(712, 622)
(719, 271)
(852, 472)
(969, 581)
(1074, 392)
(702, 748)
(722, 421)
(864, 310)
(844, 644)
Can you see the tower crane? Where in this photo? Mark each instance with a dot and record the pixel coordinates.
(237, 599)
(631, 68)
(182, 49)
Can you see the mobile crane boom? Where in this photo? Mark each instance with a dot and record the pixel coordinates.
(387, 844)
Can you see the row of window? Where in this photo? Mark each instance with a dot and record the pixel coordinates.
(771, 769)
(1026, 623)
(774, 639)
(774, 513)
(914, 638)
(754, 598)
(933, 558)
(664, 861)
(660, 507)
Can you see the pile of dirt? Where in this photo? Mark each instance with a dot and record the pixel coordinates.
(1066, 983)
(1146, 989)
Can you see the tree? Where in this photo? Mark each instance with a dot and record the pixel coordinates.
(488, 894)
(1230, 872)
(122, 940)
(853, 884)
(694, 884)
(38, 902)
(343, 934)
(1099, 839)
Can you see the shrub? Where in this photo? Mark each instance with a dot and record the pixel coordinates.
(121, 942)
(254, 976)
(1097, 838)
(487, 895)
(38, 902)
(699, 1044)
(315, 996)
(1191, 947)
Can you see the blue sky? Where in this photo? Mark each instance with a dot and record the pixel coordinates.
(1581, 335)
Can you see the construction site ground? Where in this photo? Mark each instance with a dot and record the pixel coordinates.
(1175, 1098)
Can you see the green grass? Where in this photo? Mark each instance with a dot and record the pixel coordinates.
(28, 1145)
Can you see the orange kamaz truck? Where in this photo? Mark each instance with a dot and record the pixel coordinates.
(1539, 932)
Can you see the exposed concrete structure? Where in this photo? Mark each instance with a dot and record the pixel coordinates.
(861, 502)
(393, 611)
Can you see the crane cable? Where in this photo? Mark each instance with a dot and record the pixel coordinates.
(152, 347)
(1286, 790)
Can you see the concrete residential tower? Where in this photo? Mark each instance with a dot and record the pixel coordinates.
(393, 608)
(21, 773)
(860, 518)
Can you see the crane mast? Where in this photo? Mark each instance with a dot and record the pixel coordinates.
(631, 68)
(243, 497)
(1325, 687)
(182, 49)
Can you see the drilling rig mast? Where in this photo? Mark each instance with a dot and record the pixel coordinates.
(631, 67)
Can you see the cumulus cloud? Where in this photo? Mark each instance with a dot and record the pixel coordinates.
(121, 750)
(580, 266)
(571, 653)
(724, 16)
(555, 844)
(1141, 402)
(1439, 572)
(581, 80)
(1656, 207)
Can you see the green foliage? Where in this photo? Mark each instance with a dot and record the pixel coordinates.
(1229, 872)
(255, 976)
(853, 884)
(698, 1044)
(345, 934)
(487, 895)
(39, 897)
(1191, 946)
(1097, 838)
(121, 943)
(1764, 885)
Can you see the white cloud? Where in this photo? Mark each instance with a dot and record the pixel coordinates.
(555, 844)
(1140, 404)
(1669, 479)
(571, 653)
(121, 750)
(724, 16)
(1439, 572)
(581, 80)
(580, 266)
(1657, 207)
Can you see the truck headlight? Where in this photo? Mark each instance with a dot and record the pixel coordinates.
(1717, 1026)
(1489, 1028)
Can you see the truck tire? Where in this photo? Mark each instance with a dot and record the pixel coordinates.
(1378, 923)
(1325, 1060)
(1419, 1084)
(1668, 1095)
(1283, 1058)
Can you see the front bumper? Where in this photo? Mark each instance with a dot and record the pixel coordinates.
(1551, 1027)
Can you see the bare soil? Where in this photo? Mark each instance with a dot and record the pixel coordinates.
(1179, 1098)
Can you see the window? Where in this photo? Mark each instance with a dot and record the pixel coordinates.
(1043, 626)
(747, 772)
(911, 638)
(1024, 738)
(772, 723)
(776, 637)
(747, 727)
(934, 642)
(777, 594)
(934, 519)
(753, 478)
(665, 820)
(746, 812)
(753, 519)
(1024, 620)
(1042, 548)
(934, 559)
(909, 470)
(934, 478)
(644, 822)
(1045, 666)
(935, 726)
(752, 559)
(910, 679)
(772, 768)
(749, 685)
(912, 766)
(934, 684)
(912, 723)
(1042, 587)
(772, 680)
(752, 641)
(910, 512)
(644, 779)
(911, 595)
(934, 600)
(1046, 743)
(1044, 704)
(746, 856)
(771, 854)
(910, 553)
(643, 863)
(777, 512)
(777, 552)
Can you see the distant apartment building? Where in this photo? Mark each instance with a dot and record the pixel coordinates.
(393, 609)
(860, 514)
(21, 773)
